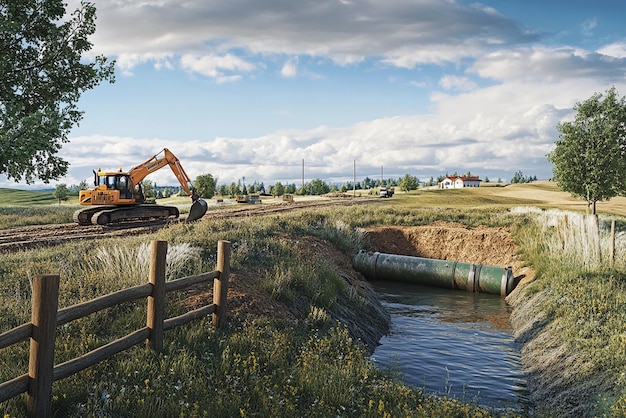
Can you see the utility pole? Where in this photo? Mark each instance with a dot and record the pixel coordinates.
(354, 180)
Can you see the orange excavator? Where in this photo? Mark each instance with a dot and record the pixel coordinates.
(118, 196)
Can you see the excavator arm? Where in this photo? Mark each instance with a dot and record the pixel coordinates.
(156, 162)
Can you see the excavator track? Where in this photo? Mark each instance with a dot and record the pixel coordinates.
(107, 215)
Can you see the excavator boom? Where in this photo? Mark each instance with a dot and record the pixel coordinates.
(154, 163)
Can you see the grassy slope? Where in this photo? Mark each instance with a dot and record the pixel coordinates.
(14, 197)
(542, 194)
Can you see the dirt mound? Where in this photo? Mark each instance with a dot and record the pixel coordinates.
(448, 241)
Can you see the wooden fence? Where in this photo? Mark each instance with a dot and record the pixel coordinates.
(37, 383)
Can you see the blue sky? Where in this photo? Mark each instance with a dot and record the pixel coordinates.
(249, 88)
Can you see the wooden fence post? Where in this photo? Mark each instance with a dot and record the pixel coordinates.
(220, 284)
(156, 301)
(45, 304)
(612, 244)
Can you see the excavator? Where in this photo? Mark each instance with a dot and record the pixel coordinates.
(117, 196)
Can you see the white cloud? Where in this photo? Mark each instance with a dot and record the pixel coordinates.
(290, 69)
(506, 126)
(215, 66)
(588, 26)
(401, 33)
(451, 82)
(616, 50)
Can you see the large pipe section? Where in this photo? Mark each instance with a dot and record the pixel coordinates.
(439, 273)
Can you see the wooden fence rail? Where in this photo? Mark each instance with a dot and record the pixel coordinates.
(46, 317)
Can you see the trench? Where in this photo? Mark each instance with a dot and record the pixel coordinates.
(451, 342)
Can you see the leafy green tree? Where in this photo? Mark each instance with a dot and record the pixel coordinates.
(589, 160)
(61, 192)
(149, 189)
(43, 73)
(278, 189)
(234, 189)
(205, 185)
(318, 187)
(223, 190)
(408, 183)
(518, 177)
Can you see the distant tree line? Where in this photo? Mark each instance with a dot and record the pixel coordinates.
(519, 177)
(207, 187)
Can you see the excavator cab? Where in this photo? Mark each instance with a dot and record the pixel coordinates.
(121, 182)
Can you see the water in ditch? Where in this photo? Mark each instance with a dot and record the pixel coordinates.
(453, 343)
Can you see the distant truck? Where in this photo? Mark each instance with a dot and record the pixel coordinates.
(386, 191)
(252, 198)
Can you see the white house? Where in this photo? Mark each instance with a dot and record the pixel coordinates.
(453, 182)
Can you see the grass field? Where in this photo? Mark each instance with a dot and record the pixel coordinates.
(309, 367)
(15, 197)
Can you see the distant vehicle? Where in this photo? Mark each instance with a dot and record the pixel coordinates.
(252, 198)
(287, 198)
(386, 191)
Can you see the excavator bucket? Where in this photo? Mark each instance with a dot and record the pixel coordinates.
(197, 211)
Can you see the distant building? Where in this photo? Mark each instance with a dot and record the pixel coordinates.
(454, 182)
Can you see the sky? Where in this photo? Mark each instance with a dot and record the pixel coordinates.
(249, 89)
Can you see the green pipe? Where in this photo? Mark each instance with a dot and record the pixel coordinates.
(439, 273)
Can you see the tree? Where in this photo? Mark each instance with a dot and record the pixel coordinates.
(42, 76)
(589, 160)
(408, 183)
(205, 185)
(278, 189)
(234, 189)
(149, 189)
(318, 187)
(61, 192)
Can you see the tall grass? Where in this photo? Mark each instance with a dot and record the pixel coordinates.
(577, 240)
(134, 261)
(583, 296)
(12, 216)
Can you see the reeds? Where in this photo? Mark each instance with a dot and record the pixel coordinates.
(578, 240)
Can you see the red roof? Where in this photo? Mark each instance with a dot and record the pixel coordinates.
(464, 178)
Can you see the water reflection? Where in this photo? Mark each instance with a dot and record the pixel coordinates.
(452, 342)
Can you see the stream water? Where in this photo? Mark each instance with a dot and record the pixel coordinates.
(454, 343)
